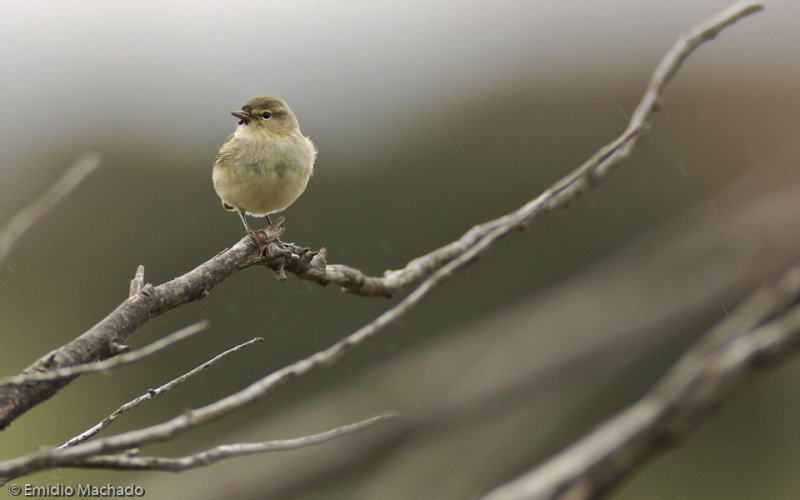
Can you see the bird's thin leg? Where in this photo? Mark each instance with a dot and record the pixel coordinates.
(244, 221)
(269, 221)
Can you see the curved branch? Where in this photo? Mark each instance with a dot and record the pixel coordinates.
(225, 451)
(93, 454)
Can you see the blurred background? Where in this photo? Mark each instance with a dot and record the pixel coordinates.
(429, 117)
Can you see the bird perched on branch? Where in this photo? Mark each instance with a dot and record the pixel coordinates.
(264, 166)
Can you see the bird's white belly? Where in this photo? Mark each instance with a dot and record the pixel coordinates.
(260, 191)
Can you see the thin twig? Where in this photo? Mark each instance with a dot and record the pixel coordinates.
(222, 452)
(153, 393)
(28, 216)
(115, 362)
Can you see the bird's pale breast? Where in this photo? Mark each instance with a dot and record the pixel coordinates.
(263, 174)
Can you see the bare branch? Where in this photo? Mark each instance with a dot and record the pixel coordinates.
(680, 51)
(27, 217)
(57, 457)
(101, 366)
(562, 192)
(152, 393)
(762, 331)
(266, 250)
(222, 452)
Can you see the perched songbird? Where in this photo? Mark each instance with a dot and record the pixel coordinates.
(264, 166)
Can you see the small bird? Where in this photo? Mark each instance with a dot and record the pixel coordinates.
(264, 166)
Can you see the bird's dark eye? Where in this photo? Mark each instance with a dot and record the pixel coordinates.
(266, 115)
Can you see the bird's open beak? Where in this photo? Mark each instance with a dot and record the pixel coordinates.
(241, 115)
